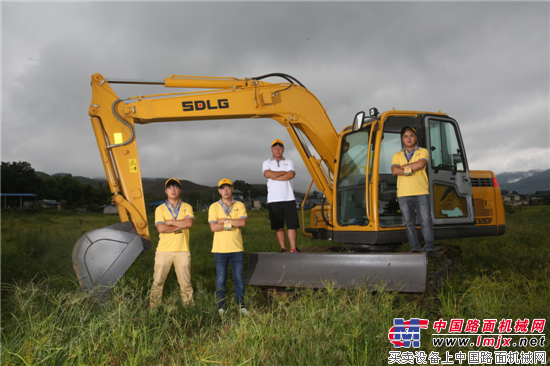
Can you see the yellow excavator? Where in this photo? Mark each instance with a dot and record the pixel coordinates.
(351, 168)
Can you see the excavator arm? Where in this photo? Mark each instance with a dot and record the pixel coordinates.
(98, 259)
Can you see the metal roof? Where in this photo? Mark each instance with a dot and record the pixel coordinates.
(19, 194)
(156, 203)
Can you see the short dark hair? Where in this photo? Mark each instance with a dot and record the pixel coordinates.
(172, 182)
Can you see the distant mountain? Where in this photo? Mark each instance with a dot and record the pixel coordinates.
(155, 186)
(527, 182)
(94, 182)
(512, 177)
(91, 181)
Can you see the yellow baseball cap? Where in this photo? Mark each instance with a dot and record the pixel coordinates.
(277, 142)
(224, 181)
(172, 181)
(407, 128)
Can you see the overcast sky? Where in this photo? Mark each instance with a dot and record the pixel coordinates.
(485, 64)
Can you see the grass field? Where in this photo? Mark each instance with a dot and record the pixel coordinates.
(48, 320)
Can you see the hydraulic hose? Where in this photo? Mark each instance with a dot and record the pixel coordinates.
(323, 212)
(124, 122)
(288, 78)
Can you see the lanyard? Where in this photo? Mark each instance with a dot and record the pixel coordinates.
(226, 209)
(408, 157)
(177, 208)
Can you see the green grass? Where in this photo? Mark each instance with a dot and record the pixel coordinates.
(48, 320)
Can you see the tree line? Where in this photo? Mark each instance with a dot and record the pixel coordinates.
(20, 177)
(201, 199)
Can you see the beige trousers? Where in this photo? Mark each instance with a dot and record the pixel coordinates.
(182, 266)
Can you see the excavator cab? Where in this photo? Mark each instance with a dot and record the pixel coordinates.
(366, 208)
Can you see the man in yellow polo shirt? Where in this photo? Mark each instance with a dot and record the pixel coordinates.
(173, 219)
(226, 218)
(413, 191)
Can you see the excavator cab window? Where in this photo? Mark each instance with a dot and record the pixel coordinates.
(450, 185)
(352, 176)
(446, 152)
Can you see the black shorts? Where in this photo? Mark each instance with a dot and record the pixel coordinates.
(281, 213)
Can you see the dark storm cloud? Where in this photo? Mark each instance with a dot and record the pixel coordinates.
(485, 64)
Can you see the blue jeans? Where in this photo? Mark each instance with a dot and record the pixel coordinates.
(237, 264)
(420, 204)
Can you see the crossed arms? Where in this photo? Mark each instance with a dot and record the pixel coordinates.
(416, 166)
(269, 174)
(171, 226)
(218, 226)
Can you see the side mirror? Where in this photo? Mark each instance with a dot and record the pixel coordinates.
(358, 121)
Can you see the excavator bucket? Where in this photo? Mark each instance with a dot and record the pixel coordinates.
(102, 256)
(403, 272)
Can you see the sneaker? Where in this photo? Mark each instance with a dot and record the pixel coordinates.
(283, 250)
(244, 312)
(431, 254)
(415, 251)
(221, 311)
(295, 250)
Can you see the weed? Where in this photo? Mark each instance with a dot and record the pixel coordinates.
(48, 320)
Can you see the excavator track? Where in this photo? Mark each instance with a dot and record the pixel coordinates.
(447, 264)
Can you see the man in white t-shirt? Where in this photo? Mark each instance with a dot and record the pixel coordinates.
(279, 172)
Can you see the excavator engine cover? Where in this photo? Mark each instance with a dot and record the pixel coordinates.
(402, 272)
(102, 256)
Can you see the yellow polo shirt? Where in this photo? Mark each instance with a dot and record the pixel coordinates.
(417, 183)
(173, 242)
(227, 241)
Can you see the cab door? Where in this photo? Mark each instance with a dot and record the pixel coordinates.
(448, 174)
